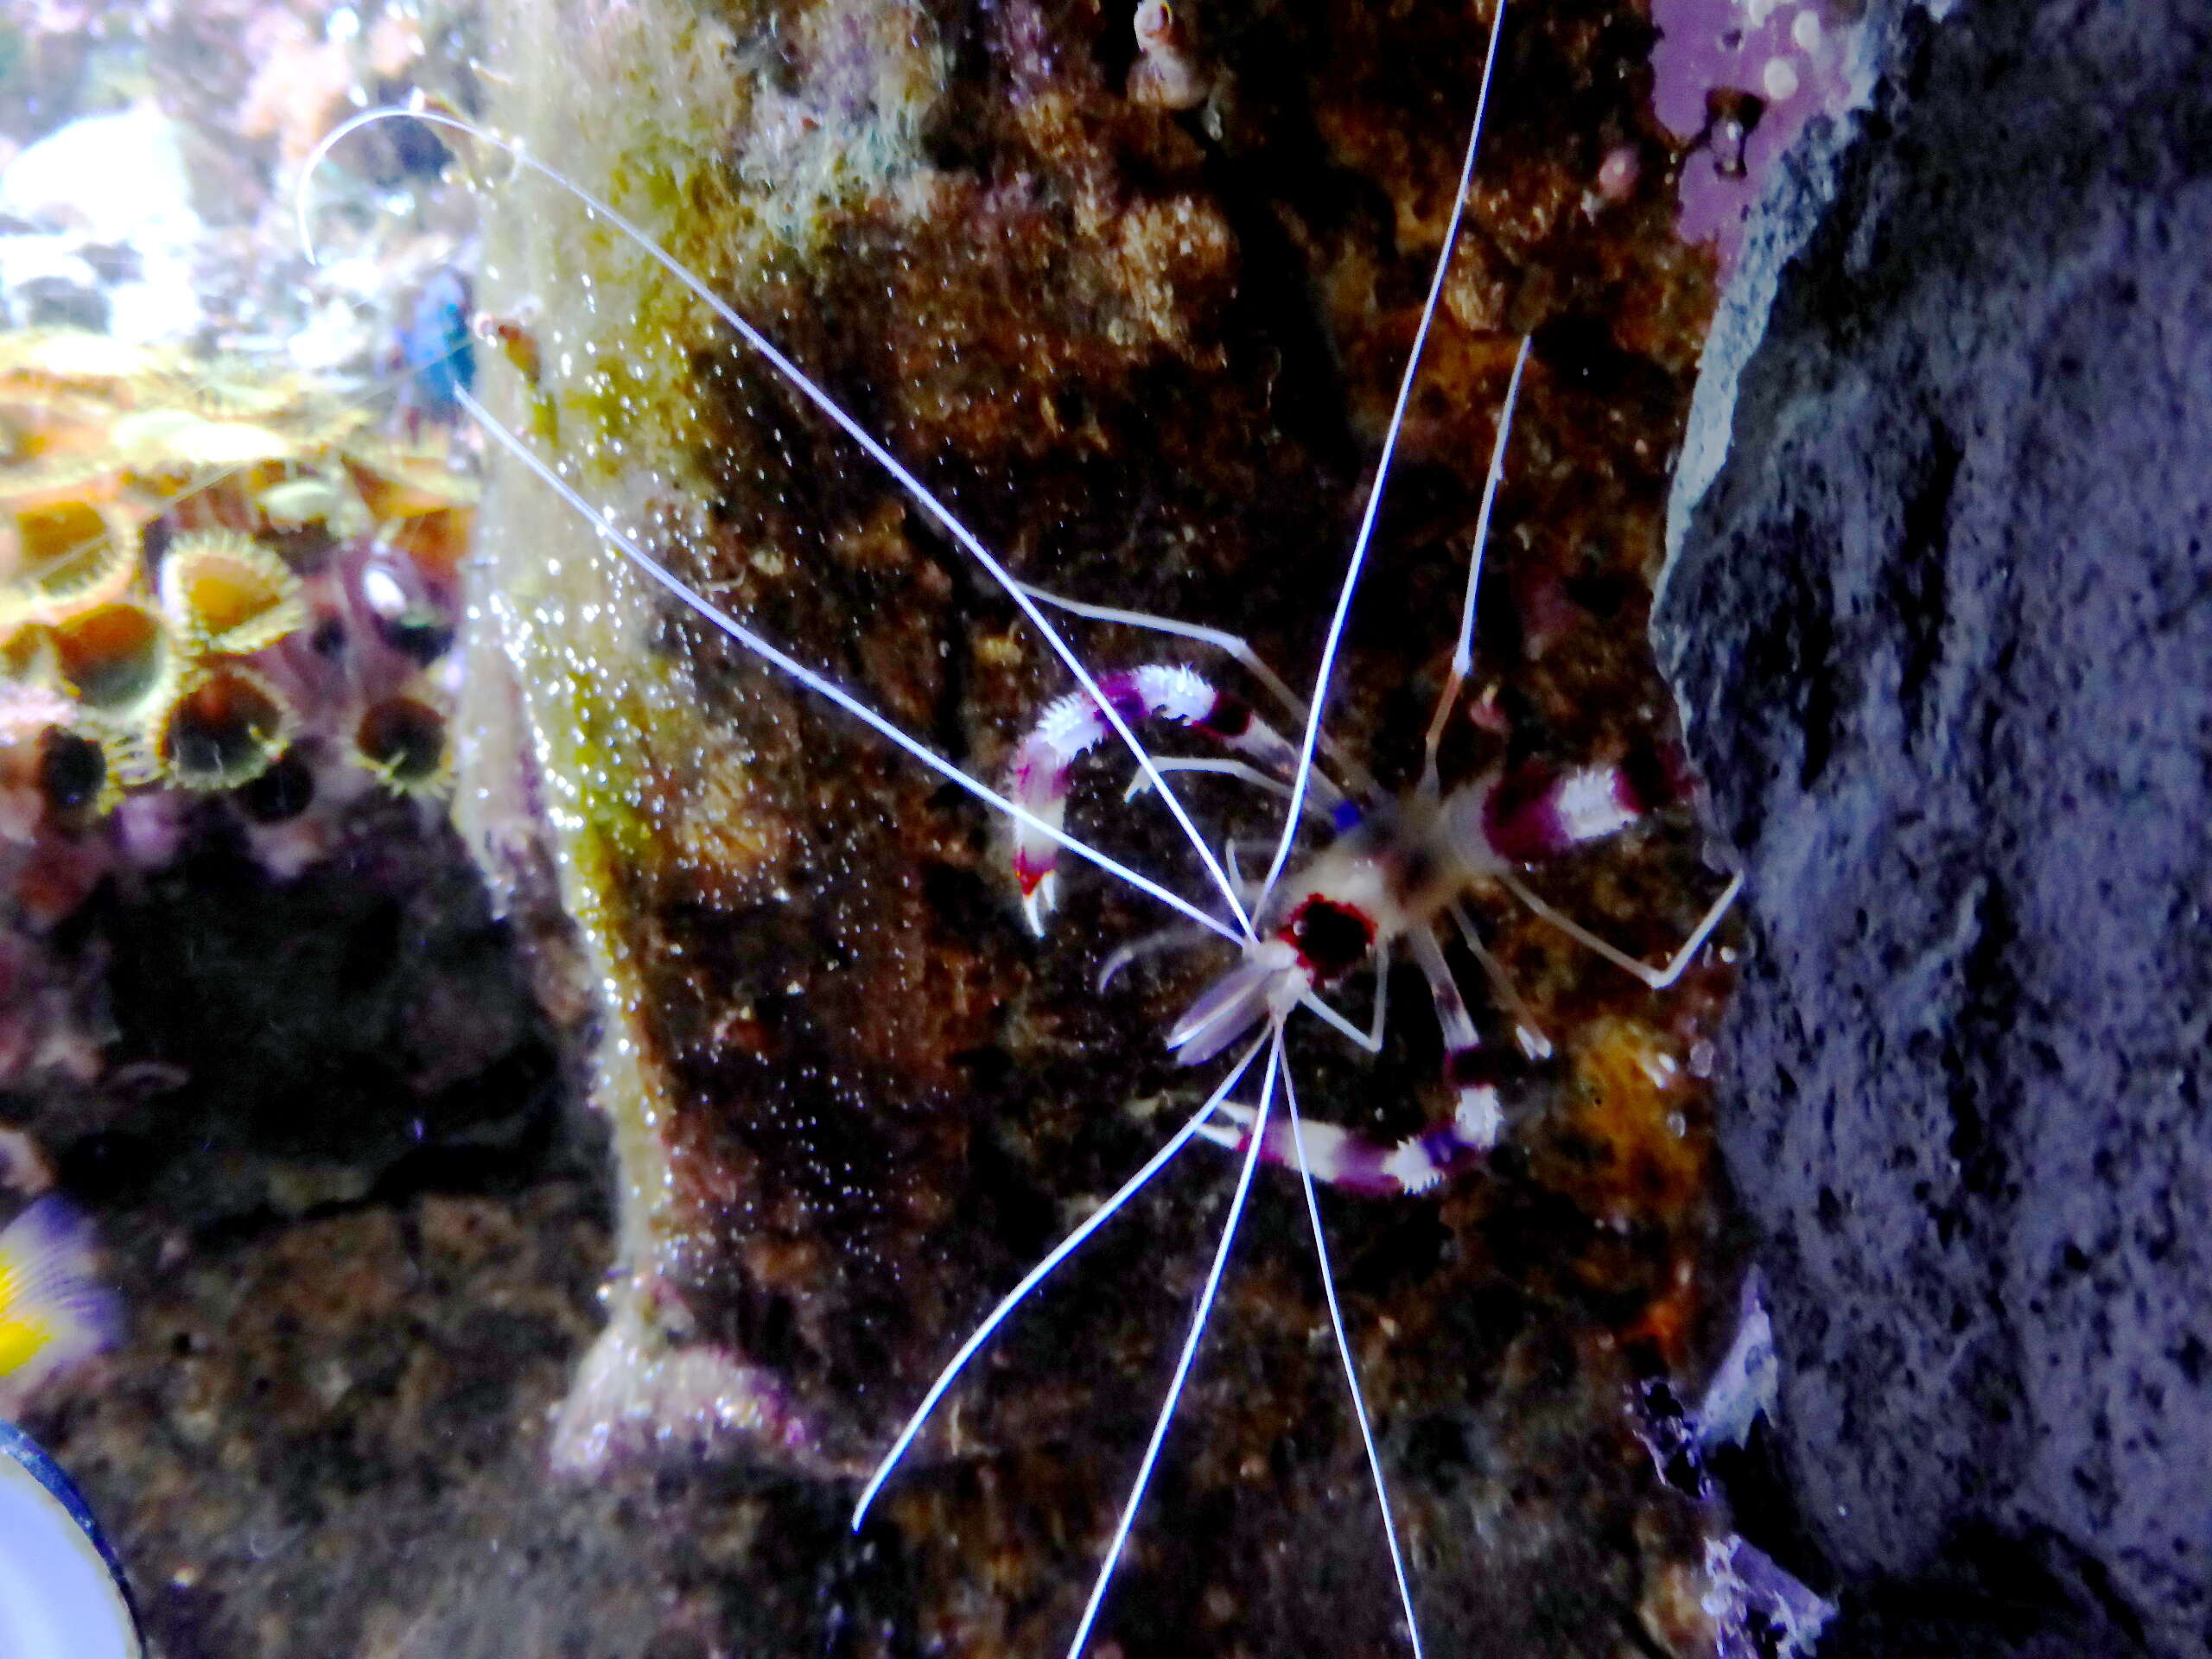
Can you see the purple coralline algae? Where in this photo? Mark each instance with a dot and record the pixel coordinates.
(1738, 80)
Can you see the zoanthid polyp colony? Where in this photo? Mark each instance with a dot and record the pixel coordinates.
(216, 580)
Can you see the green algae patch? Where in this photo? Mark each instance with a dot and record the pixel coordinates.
(671, 785)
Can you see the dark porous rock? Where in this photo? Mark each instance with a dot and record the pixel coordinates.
(361, 1031)
(1942, 628)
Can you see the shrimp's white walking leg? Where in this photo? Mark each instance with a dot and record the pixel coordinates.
(1534, 1043)
(1321, 807)
(1198, 1043)
(1166, 938)
(1344, 1352)
(1037, 1275)
(1183, 1362)
(1232, 854)
(1372, 1042)
(1657, 978)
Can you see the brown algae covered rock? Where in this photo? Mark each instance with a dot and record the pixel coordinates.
(1130, 291)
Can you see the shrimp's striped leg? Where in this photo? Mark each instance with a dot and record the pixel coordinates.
(1536, 813)
(1471, 1070)
(1038, 775)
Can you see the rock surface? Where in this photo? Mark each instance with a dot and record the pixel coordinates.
(1942, 627)
(1147, 352)
(1135, 301)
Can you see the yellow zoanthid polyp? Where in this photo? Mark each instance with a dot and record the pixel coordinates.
(225, 593)
(65, 555)
(116, 659)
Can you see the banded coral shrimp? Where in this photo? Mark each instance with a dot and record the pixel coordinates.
(788, 1405)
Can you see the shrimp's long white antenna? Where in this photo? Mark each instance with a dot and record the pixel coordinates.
(814, 394)
(1035, 1276)
(1320, 701)
(1259, 1132)
(818, 684)
(1351, 1370)
(1462, 652)
(1463, 657)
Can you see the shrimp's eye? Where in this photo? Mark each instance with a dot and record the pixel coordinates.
(1330, 937)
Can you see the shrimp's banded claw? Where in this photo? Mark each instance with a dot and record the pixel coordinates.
(1038, 778)
(1534, 812)
(1355, 1163)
